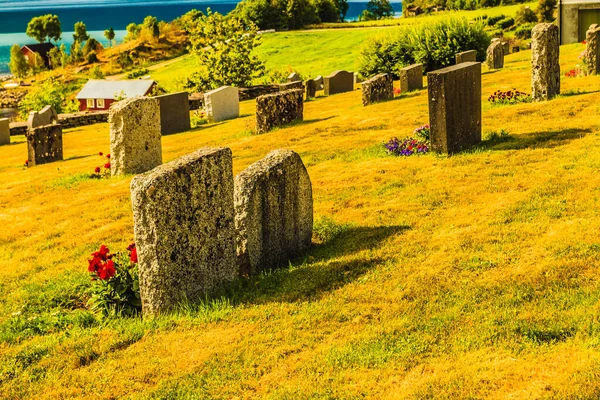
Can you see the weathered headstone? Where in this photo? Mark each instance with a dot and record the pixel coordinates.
(378, 88)
(545, 67)
(278, 109)
(338, 82)
(592, 49)
(294, 77)
(46, 116)
(291, 85)
(311, 88)
(319, 82)
(411, 78)
(506, 47)
(183, 219)
(174, 113)
(44, 145)
(273, 212)
(135, 140)
(466, 56)
(222, 103)
(455, 107)
(495, 55)
(4, 131)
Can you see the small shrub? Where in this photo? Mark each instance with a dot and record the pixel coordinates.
(198, 118)
(524, 32)
(96, 72)
(525, 15)
(406, 146)
(326, 229)
(509, 97)
(491, 21)
(505, 23)
(138, 72)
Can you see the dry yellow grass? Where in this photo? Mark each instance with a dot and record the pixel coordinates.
(472, 276)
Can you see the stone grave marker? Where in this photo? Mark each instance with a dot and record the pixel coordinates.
(4, 131)
(338, 82)
(184, 230)
(46, 116)
(294, 77)
(455, 107)
(278, 109)
(135, 139)
(222, 103)
(311, 88)
(319, 82)
(411, 78)
(273, 212)
(174, 113)
(545, 67)
(44, 144)
(379, 88)
(592, 49)
(495, 55)
(466, 56)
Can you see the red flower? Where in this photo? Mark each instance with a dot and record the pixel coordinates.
(97, 170)
(108, 156)
(107, 271)
(26, 163)
(94, 264)
(584, 42)
(107, 165)
(397, 91)
(100, 154)
(133, 256)
(103, 253)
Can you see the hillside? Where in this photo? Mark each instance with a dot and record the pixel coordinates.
(471, 276)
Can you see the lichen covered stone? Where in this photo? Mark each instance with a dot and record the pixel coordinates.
(466, 56)
(44, 145)
(278, 109)
(495, 55)
(592, 50)
(135, 138)
(411, 78)
(273, 212)
(545, 67)
(379, 88)
(184, 229)
(46, 116)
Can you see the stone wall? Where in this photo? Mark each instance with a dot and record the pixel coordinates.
(44, 145)
(278, 109)
(273, 212)
(411, 78)
(455, 107)
(183, 217)
(67, 121)
(545, 67)
(379, 88)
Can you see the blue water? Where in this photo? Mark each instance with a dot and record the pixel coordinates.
(102, 14)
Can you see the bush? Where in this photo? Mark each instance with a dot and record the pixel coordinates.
(139, 72)
(92, 58)
(49, 92)
(491, 21)
(326, 10)
(505, 23)
(545, 11)
(524, 32)
(525, 15)
(435, 46)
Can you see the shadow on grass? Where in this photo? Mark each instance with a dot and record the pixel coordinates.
(576, 92)
(534, 140)
(76, 158)
(308, 121)
(323, 273)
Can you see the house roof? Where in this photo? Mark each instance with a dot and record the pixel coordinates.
(42, 48)
(102, 89)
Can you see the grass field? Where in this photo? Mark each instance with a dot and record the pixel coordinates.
(471, 276)
(319, 51)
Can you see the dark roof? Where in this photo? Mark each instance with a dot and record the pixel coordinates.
(42, 48)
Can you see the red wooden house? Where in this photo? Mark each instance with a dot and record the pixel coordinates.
(99, 94)
(42, 49)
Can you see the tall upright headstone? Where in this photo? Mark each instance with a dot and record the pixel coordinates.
(135, 139)
(184, 231)
(44, 145)
(174, 113)
(311, 88)
(545, 67)
(379, 88)
(278, 109)
(46, 116)
(4, 131)
(273, 212)
(338, 82)
(495, 55)
(222, 103)
(592, 49)
(455, 107)
(294, 77)
(411, 78)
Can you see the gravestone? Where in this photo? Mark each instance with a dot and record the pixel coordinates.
(379, 88)
(294, 77)
(183, 219)
(291, 85)
(174, 113)
(411, 78)
(545, 67)
(495, 55)
(466, 56)
(135, 140)
(278, 109)
(455, 107)
(506, 47)
(44, 145)
(46, 116)
(273, 212)
(319, 82)
(338, 82)
(222, 103)
(592, 49)
(4, 131)
(311, 88)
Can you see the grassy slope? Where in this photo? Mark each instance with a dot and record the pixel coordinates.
(318, 52)
(470, 276)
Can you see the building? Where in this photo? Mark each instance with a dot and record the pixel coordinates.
(42, 49)
(575, 18)
(99, 94)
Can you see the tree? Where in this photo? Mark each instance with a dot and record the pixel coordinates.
(39, 65)
(133, 31)
(18, 63)
(92, 45)
(525, 15)
(151, 25)
(64, 56)
(55, 57)
(76, 52)
(44, 27)
(49, 92)
(342, 6)
(326, 10)
(300, 13)
(380, 8)
(80, 34)
(545, 10)
(224, 47)
(109, 34)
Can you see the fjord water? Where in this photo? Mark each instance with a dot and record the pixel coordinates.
(102, 14)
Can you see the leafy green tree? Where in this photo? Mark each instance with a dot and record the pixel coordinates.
(64, 56)
(44, 27)
(39, 64)
(49, 92)
(188, 20)
(55, 57)
(545, 10)
(92, 45)
(133, 31)
(109, 34)
(326, 10)
(380, 8)
(80, 34)
(300, 13)
(76, 52)
(151, 25)
(525, 15)
(224, 47)
(342, 6)
(18, 63)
